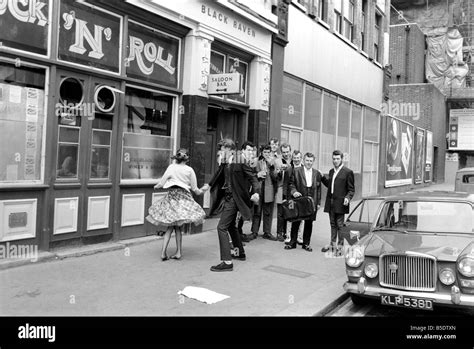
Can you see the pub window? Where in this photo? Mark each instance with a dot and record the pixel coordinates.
(104, 101)
(69, 111)
(147, 141)
(235, 65)
(22, 117)
(226, 63)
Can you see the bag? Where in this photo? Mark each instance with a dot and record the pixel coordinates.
(298, 209)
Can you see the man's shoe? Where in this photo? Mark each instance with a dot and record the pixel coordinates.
(280, 237)
(246, 238)
(252, 236)
(307, 248)
(222, 267)
(269, 236)
(241, 257)
(290, 246)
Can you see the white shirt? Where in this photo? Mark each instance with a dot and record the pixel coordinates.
(336, 171)
(309, 176)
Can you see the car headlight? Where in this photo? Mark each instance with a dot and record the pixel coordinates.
(447, 277)
(354, 256)
(466, 266)
(371, 270)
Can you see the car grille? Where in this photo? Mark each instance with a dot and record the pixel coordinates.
(408, 272)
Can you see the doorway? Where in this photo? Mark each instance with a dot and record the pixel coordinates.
(86, 113)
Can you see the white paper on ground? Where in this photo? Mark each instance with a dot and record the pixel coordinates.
(202, 294)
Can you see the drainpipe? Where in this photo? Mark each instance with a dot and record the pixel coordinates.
(407, 48)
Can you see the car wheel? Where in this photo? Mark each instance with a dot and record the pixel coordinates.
(358, 300)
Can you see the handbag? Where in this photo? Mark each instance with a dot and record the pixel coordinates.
(298, 209)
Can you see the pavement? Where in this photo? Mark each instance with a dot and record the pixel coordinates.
(128, 278)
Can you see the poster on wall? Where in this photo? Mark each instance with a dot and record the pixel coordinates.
(399, 168)
(429, 157)
(419, 155)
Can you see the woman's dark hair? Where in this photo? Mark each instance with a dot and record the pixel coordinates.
(181, 156)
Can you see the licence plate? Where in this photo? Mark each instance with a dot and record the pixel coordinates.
(407, 302)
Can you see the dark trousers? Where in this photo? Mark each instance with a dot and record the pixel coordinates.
(307, 231)
(265, 210)
(281, 223)
(225, 227)
(337, 222)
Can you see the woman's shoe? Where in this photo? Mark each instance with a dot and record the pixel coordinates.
(175, 257)
(165, 258)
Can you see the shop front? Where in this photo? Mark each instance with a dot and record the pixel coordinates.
(89, 119)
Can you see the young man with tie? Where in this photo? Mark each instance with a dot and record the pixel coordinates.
(340, 184)
(305, 181)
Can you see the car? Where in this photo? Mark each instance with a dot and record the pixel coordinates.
(419, 253)
(465, 180)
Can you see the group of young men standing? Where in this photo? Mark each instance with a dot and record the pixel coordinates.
(252, 186)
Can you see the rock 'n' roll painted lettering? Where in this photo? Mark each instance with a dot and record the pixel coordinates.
(152, 53)
(82, 33)
(28, 11)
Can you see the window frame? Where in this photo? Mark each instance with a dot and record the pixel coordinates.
(173, 134)
(41, 180)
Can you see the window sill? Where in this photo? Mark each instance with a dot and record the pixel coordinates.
(377, 64)
(323, 23)
(363, 53)
(299, 6)
(346, 40)
(29, 187)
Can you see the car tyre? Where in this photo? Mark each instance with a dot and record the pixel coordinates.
(358, 300)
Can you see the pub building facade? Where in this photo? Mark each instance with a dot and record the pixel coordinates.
(96, 96)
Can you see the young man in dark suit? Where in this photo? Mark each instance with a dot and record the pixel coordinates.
(340, 184)
(234, 178)
(305, 181)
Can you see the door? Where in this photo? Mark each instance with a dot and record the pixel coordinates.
(360, 219)
(86, 115)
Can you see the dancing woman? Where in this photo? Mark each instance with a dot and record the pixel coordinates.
(178, 206)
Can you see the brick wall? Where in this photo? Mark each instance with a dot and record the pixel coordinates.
(407, 54)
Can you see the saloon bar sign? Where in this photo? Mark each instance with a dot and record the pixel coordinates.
(89, 36)
(24, 25)
(152, 55)
(224, 84)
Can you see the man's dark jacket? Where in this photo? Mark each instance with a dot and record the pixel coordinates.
(298, 184)
(343, 188)
(244, 184)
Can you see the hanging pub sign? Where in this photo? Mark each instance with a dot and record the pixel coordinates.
(152, 55)
(89, 36)
(25, 25)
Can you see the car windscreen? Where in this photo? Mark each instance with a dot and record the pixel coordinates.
(427, 216)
